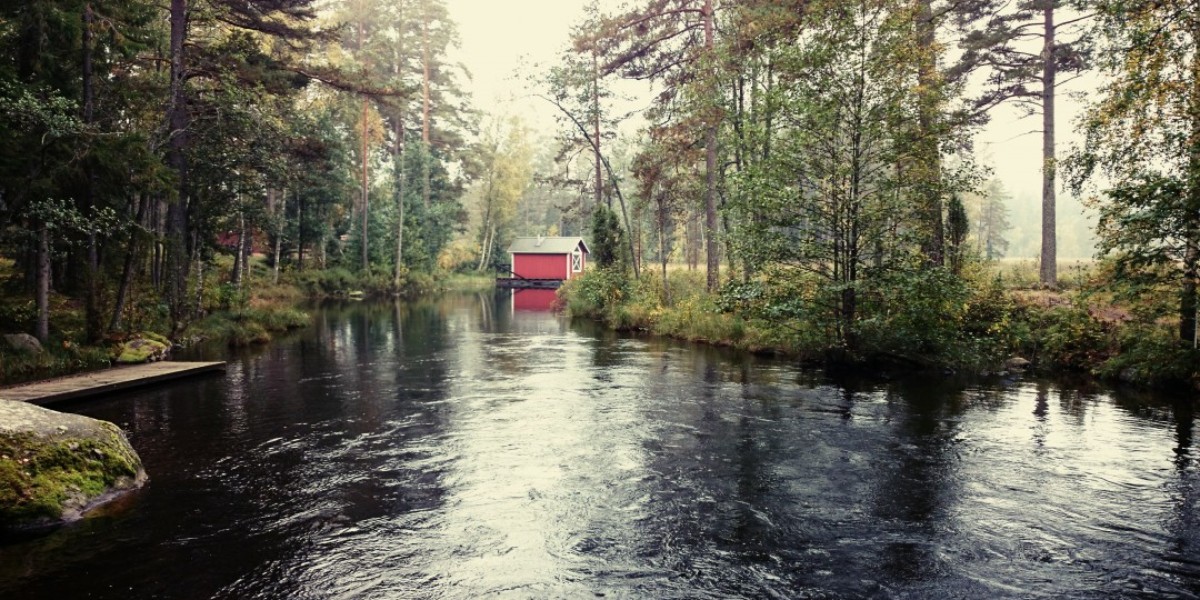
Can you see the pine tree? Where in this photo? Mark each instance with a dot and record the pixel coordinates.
(1029, 76)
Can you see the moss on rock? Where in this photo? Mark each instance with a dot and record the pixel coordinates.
(141, 349)
(56, 466)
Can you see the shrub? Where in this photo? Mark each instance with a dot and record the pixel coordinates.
(248, 326)
(1151, 354)
(57, 359)
(1069, 337)
(597, 294)
(918, 315)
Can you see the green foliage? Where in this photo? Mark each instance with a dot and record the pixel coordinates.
(1141, 145)
(1069, 337)
(466, 282)
(608, 239)
(957, 228)
(597, 294)
(25, 109)
(1150, 354)
(796, 310)
(17, 314)
(58, 359)
(695, 315)
(339, 282)
(918, 315)
(506, 157)
(248, 326)
(988, 209)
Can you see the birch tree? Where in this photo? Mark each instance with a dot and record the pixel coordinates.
(1142, 147)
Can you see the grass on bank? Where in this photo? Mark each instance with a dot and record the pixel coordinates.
(915, 320)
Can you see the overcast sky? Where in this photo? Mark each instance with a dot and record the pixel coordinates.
(500, 38)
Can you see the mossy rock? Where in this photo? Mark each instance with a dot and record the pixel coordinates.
(150, 335)
(142, 349)
(55, 466)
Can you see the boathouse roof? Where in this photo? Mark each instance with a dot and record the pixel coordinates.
(547, 245)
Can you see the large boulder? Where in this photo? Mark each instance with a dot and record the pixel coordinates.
(23, 342)
(142, 348)
(56, 466)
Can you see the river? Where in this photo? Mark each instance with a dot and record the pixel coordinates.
(464, 448)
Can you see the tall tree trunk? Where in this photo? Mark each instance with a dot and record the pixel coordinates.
(322, 251)
(710, 167)
(42, 328)
(277, 206)
(299, 230)
(127, 270)
(928, 149)
(93, 327)
(596, 128)
(663, 245)
(486, 244)
(235, 277)
(426, 108)
(1191, 270)
(366, 183)
(1049, 268)
(277, 257)
(247, 250)
(398, 166)
(198, 309)
(176, 259)
(156, 258)
(485, 256)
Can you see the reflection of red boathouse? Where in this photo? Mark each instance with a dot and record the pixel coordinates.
(545, 262)
(533, 299)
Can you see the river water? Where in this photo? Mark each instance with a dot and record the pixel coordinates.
(463, 449)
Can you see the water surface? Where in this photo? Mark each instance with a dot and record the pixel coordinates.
(463, 449)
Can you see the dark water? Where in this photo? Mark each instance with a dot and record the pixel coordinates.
(454, 449)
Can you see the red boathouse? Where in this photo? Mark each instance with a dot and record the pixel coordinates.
(549, 259)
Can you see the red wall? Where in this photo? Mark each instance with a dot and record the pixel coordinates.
(533, 300)
(541, 266)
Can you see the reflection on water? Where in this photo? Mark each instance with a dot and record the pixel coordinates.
(469, 448)
(533, 300)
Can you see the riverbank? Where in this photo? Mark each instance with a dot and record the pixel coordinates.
(249, 314)
(974, 324)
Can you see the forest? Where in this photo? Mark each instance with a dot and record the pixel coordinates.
(803, 178)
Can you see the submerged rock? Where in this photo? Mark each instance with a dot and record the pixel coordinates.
(1016, 364)
(55, 466)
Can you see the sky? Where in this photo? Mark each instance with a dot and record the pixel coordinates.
(500, 38)
(501, 41)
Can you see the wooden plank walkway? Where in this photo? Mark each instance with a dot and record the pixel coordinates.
(103, 382)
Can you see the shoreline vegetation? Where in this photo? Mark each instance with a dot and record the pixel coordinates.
(826, 156)
(251, 315)
(992, 321)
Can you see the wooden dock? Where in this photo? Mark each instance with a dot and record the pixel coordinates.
(106, 381)
(522, 283)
